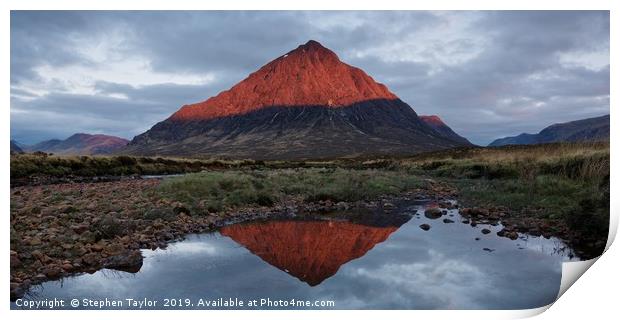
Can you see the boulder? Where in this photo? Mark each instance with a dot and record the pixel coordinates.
(128, 261)
(433, 213)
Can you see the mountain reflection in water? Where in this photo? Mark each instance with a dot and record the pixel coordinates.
(311, 251)
(358, 260)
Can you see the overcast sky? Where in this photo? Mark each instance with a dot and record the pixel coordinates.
(487, 74)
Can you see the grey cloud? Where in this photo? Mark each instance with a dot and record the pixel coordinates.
(493, 94)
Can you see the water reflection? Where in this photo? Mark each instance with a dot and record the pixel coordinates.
(311, 251)
(379, 261)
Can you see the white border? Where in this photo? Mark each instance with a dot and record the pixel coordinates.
(593, 295)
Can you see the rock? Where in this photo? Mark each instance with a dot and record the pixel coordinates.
(128, 261)
(97, 247)
(17, 291)
(35, 241)
(488, 250)
(448, 221)
(88, 237)
(91, 259)
(40, 277)
(80, 228)
(433, 213)
(535, 232)
(486, 231)
(68, 209)
(53, 272)
(167, 236)
(110, 226)
(446, 205)
(477, 239)
(425, 227)
(512, 235)
(508, 233)
(37, 254)
(181, 209)
(160, 213)
(46, 259)
(15, 262)
(114, 248)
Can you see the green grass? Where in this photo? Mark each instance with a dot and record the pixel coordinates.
(551, 195)
(25, 165)
(562, 182)
(215, 190)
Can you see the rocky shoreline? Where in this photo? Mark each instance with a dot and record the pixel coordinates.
(525, 223)
(65, 229)
(38, 180)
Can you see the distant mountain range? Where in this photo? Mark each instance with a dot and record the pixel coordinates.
(304, 104)
(78, 144)
(591, 129)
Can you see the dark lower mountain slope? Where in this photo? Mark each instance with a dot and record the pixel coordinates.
(376, 127)
(591, 129)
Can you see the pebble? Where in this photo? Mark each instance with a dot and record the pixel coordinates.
(425, 227)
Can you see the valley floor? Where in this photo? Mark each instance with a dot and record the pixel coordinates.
(65, 228)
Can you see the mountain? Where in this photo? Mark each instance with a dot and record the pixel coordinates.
(82, 144)
(15, 147)
(442, 128)
(311, 251)
(304, 104)
(591, 129)
(45, 146)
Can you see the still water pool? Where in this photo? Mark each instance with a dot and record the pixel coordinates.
(375, 262)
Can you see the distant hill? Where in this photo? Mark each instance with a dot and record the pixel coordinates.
(45, 146)
(305, 104)
(591, 129)
(442, 128)
(80, 144)
(15, 147)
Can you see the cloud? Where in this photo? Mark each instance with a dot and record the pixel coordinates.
(488, 74)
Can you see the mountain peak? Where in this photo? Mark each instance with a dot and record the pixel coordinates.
(312, 44)
(310, 75)
(313, 48)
